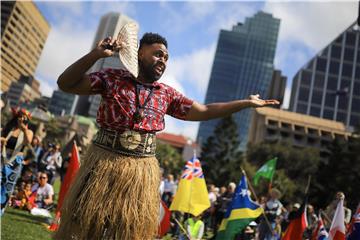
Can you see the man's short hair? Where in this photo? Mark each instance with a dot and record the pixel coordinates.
(151, 38)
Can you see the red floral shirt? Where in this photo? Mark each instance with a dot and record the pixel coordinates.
(118, 103)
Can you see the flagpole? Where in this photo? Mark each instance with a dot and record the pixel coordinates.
(182, 228)
(256, 198)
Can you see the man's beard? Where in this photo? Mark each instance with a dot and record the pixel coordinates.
(148, 72)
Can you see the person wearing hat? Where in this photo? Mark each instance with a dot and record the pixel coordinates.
(273, 209)
(117, 185)
(15, 139)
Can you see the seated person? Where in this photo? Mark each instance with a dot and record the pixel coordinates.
(21, 199)
(44, 194)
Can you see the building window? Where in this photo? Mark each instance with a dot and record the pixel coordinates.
(301, 108)
(303, 94)
(341, 117)
(299, 128)
(306, 78)
(319, 80)
(272, 122)
(315, 111)
(350, 39)
(286, 125)
(345, 83)
(356, 89)
(336, 52)
(339, 39)
(343, 102)
(317, 97)
(334, 67)
(347, 70)
(355, 120)
(330, 100)
(328, 114)
(321, 65)
(355, 106)
(349, 54)
(332, 83)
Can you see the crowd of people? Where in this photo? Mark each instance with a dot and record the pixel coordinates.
(272, 227)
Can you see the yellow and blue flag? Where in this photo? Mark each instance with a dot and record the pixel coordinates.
(239, 214)
(192, 195)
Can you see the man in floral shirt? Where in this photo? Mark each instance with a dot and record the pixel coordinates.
(115, 194)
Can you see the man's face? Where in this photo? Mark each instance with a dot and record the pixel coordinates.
(43, 179)
(152, 61)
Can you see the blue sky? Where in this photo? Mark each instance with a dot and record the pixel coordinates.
(192, 30)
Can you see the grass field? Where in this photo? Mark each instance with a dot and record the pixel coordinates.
(21, 225)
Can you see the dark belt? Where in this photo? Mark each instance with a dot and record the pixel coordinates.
(128, 142)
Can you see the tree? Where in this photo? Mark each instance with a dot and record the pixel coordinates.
(169, 158)
(220, 155)
(293, 166)
(340, 173)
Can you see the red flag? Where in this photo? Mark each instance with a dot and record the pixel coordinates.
(164, 219)
(337, 229)
(74, 164)
(297, 225)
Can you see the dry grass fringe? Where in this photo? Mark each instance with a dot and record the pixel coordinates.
(113, 197)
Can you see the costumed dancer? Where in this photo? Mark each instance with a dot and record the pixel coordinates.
(15, 141)
(115, 194)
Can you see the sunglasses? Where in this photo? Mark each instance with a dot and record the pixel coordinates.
(43, 177)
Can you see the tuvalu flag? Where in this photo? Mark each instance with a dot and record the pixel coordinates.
(239, 214)
(191, 195)
(266, 171)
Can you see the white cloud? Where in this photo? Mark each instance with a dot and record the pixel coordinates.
(192, 70)
(312, 23)
(65, 44)
(185, 128)
(45, 88)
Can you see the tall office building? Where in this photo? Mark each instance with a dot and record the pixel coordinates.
(328, 86)
(277, 87)
(110, 25)
(62, 103)
(243, 65)
(24, 31)
(24, 91)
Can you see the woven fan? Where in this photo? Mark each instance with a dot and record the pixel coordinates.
(128, 53)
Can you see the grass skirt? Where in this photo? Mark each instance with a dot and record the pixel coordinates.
(113, 197)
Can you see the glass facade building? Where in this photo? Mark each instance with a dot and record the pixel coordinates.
(243, 65)
(328, 86)
(62, 103)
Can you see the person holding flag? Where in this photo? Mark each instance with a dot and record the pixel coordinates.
(353, 232)
(320, 232)
(240, 213)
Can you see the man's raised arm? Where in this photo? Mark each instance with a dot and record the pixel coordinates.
(74, 79)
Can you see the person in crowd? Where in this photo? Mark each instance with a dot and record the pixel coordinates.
(64, 166)
(169, 189)
(312, 220)
(15, 141)
(331, 208)
(133, 108)
(38, 151)
(21, 199)
(273, 208)
(195, 227)
(44, 195)
(52, 161)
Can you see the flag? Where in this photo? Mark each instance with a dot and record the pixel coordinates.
(266, 171)
(337, 229)
(354, 227)
(320, 232)
(298, 223)
(74, 164)
(164, 219)
(239, 214)
(192, 195)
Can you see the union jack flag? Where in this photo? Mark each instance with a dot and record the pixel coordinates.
(192, 169)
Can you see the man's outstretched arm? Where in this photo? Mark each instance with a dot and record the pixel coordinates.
(74, 79)
(200, 112)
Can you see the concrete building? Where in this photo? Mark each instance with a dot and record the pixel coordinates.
(273, 125)
(26, 90)
(110, 25)
(24, 31)
(185, 146)
(328, 85)
(62, 103)
(277, 87)
(243, 65)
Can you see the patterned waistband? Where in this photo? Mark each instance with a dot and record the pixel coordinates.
(129, 142)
